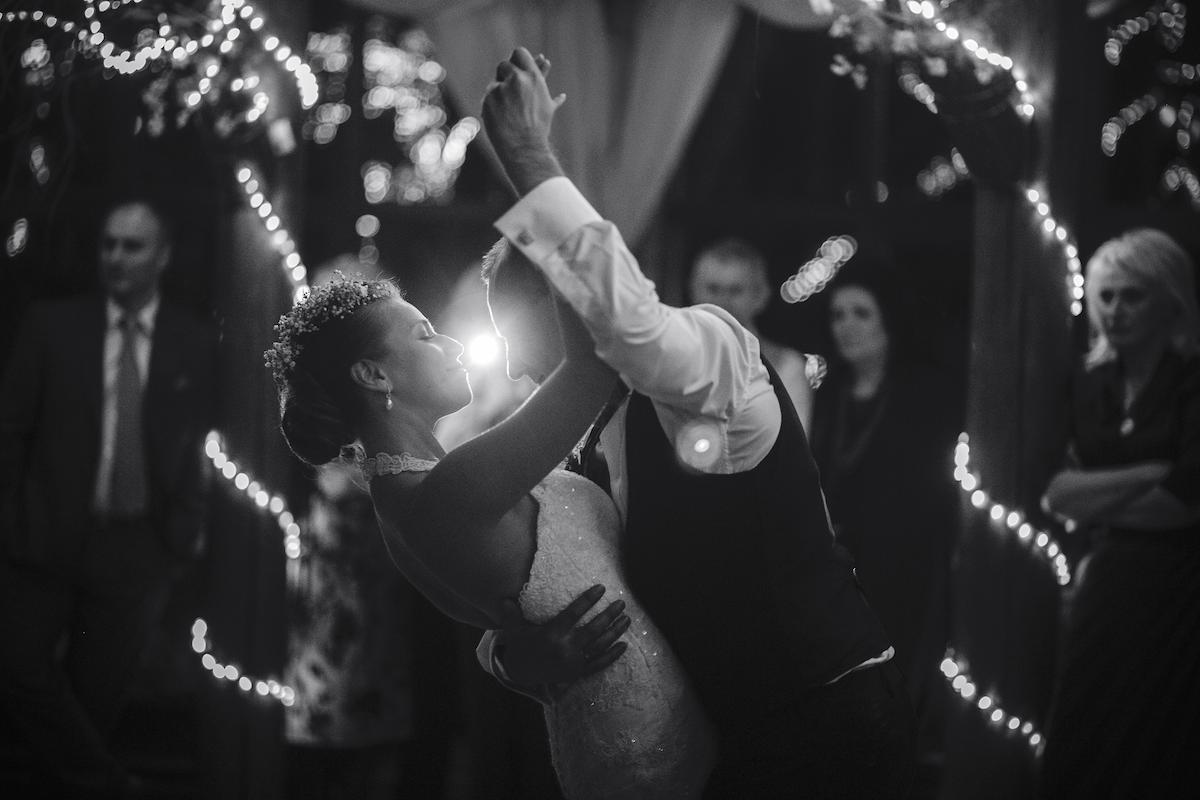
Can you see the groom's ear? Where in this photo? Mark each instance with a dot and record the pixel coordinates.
(367, 373)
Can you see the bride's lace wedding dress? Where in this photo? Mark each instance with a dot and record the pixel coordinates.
(635, 729)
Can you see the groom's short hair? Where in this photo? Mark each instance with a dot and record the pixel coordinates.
(519, 272)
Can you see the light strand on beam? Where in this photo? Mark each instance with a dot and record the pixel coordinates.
(281, 240)
(1040, 542)
(1058, 233)
(273, 504)
(1025, 108)
(960, 681)
(985, 55)
(285, 694)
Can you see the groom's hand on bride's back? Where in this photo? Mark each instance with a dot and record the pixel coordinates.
(562, 650)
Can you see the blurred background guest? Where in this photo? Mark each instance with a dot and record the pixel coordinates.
(883, 430)
(1123, 721)
(732, 274)
(376, 709)
(103, 410)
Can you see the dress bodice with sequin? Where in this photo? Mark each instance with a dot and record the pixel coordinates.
(636, 729)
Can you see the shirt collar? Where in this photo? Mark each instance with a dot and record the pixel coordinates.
(146, 316)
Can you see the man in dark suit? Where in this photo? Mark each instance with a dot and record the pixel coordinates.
(104, 406)
(726, 541)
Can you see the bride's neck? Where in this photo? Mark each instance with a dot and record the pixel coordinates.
(397, 432)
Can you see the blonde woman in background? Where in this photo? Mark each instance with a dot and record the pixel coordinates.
(1123, 723)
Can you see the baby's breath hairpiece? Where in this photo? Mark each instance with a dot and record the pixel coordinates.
(337, 299)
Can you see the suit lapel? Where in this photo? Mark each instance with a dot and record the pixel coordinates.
(168, 368)
(161, 343)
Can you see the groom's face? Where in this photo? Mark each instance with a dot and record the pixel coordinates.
(523, 314)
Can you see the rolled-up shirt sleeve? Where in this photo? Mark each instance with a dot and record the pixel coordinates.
(697, 363)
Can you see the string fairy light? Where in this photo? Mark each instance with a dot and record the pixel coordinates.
(816, 273)
(1179, 175)
(50, 21)
(943, 174)
(968, 690)
(281, 240)
(1061, 237)
(1123, 120)
(283, 693)
(1025, 107)
(1168, 18)
(220, 34)
(1178, 73)
(926, 15)
(956, 37)
(902, 28)
(273, 504)
(1014, 521)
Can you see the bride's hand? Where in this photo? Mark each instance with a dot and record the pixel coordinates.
(561, 651)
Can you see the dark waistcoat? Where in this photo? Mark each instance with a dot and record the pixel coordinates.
(741, 571)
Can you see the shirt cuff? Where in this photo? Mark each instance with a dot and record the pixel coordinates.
(543, 219)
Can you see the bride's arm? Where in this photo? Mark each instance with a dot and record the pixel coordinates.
(468, 520)
(435, 590)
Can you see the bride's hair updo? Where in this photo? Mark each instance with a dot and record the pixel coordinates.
(319, 339)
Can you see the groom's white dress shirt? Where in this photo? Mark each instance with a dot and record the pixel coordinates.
(701, 369)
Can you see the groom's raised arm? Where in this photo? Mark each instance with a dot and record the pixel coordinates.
(696, 361)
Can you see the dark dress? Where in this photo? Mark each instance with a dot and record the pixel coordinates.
(886, 468)
(1126, 718)
(368, 657)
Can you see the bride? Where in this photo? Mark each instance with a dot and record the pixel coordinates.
(494, 519)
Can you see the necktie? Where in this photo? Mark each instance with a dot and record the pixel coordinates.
(127, 494)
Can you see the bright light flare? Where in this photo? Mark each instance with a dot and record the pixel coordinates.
(483, 350)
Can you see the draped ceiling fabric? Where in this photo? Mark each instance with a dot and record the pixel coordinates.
(636, 74)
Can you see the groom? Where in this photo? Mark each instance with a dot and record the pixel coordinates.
(726, 541)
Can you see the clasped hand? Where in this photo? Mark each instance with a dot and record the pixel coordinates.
(518, 108)
(562, 651)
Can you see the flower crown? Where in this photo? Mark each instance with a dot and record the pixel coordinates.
(337, 299)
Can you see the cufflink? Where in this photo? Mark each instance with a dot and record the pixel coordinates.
(525, 238)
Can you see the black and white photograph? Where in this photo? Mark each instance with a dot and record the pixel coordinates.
(599, 399)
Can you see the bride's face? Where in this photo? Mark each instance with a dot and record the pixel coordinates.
(423, 365)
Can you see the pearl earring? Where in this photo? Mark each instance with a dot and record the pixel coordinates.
(387, 403)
